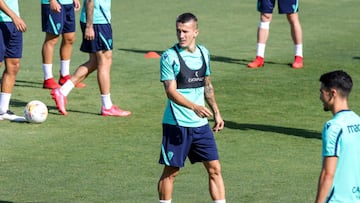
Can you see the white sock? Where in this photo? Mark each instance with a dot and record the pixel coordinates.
(67, 87)
(4, 102)
(64, 67)
(220, 201)
(298, 50)
(260, 49)
(165, 201)
(47, 70)
(106, 101)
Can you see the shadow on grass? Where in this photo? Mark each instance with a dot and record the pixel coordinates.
(356, 57)
(24, 83)
(51, 108)
(222, 59)
(2, 201)
(276, 129)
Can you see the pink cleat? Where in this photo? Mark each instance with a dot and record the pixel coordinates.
(114, 111)
(298, 62)
(63, 79)
(257, 62)
(50, 84)
(60, 100)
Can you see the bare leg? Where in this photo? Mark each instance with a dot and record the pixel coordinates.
(166, 182)
(216, 183)
(296, 31)
(12, 67)
(104, 59)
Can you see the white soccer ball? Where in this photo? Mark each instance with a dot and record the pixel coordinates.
(35, 111)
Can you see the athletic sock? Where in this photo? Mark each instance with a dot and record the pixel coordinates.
(64, 67)
(298, 50)
(106, 101)
(47, 70)
(220, 201)
(165, 201)
(67, 87)
(4, 102)
(260, 49)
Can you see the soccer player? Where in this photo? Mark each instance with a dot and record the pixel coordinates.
(97, 41)
(58, 19)
(290, 8)
(339, 179)
(11, 44)
(185, 74)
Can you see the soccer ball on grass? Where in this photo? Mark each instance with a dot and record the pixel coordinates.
(35, 111)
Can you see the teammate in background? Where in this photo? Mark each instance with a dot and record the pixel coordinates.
(339, 179)
(185, 73)
(11, 45)
(58, 18)
(97, 41)
(290, 8)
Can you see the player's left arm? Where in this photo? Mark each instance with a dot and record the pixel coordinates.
(89, 29)
(210, 100)
(326, 178)
(19, 23)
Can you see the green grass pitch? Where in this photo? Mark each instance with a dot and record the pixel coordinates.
(270, 148)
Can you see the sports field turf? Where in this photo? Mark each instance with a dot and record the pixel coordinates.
(270, 148)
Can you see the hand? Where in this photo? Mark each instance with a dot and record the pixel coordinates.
(19, 24)
(89, 33)
(55, 6)
(202, 111)
(219, 122)
(77, 5)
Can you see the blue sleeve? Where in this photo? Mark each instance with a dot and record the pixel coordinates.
(169, 65)
(331, 136)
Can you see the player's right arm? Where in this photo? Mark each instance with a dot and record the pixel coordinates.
(171, 92)
(326, 178)
(19, 23)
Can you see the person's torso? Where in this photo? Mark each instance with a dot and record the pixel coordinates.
(346, 185)
(102, 12)
(190, 70)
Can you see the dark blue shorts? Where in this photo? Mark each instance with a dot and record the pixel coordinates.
(11, 41)
(284, 6)
(103, 39)
(180, 142)
(58, 23)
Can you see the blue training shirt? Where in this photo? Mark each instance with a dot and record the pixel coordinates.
(14, 6)
(169, 68)
(102, 12)
(341, 138)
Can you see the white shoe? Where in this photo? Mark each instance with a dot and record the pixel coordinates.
(12, 117)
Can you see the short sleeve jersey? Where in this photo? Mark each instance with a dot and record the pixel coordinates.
(169, 68)
(102, 12)
(63, 2)
(14, 6)
(341, 138)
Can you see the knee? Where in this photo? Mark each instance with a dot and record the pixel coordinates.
(214, 171)
(68, 40)
(170, 173)
(12, 67)
(266, 17)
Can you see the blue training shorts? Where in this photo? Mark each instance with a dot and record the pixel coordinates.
(284, 6)
(103, 39)
(58, 23)
(11, 41)
(180, 142)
